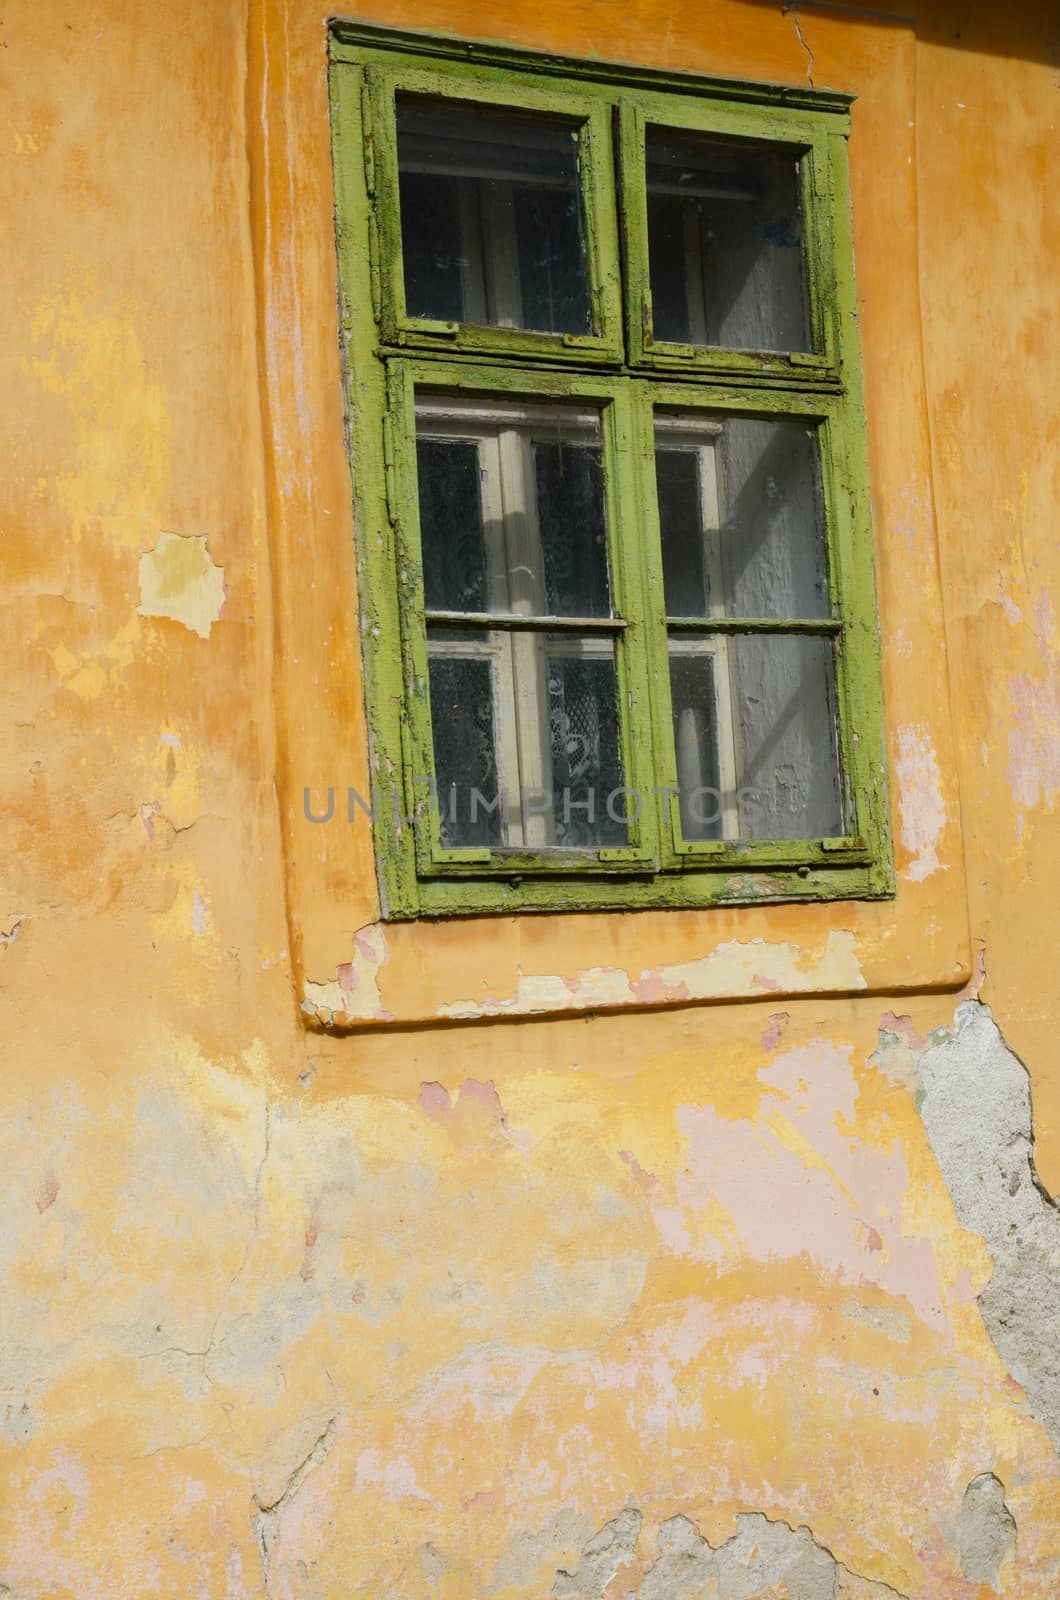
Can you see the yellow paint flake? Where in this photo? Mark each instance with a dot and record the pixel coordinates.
(179, 580)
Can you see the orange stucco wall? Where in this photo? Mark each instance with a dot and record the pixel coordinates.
(418, 1306)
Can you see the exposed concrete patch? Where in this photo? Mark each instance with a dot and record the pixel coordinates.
(975, 1101)
(607, 1552)
(179, 580)
(762, 1559)
(987, 1531)
(434, 1563)
(537, 1549)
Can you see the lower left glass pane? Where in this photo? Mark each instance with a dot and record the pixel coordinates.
(526, 740)
(465, 760)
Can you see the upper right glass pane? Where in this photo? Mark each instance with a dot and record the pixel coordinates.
(741, 516)
(725, 243)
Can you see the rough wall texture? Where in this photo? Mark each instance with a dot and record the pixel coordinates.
(976, 1106)
(703, 1301)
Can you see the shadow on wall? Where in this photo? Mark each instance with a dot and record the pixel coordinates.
(1025, 29)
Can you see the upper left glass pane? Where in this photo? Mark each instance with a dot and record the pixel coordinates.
(492, 222)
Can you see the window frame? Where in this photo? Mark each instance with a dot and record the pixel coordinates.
(386, 356)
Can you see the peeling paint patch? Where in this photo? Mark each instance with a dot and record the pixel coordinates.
(975, 1101)
(735, 969)
(475, 1115)
(1034, 739)
(903, 1029)
(788, 1182)
(86, 678)
(745, 968)
(772, 1035)
(353, 994)
(921, 806)
(179, 580)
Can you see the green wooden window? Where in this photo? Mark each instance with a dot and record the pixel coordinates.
(617, 596)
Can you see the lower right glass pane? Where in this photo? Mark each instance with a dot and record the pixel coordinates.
(755, 736)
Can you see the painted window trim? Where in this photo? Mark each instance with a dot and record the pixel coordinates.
(386, 354)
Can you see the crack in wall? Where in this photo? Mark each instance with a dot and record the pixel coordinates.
(266, 1518)
(792, 11)
(975, 1102)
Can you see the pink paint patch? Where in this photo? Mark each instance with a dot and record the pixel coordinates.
(483, 1094)
(1034, 739)
(772, 1035)
(474, 1116)
(434, 1099)
(370, 943)
(978, 977)
(904, 1029)
(47, 1191)
(647, 1180)
(484, 1500)
(198, 914)
(761, 982)
(794, 1181)
(650, 989)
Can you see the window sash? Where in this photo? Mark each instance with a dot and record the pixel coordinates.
(815, 149)
(623, 630)
(595, 167)
(852, 617)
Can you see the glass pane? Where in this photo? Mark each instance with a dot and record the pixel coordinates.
(491, 217)
(589, 806)
(725, 243)
(454, 553)
(569, 480)
(755, 737)
(526, 740)
(741, 517)
(512, 508)
(698, 732)
(465, 764)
